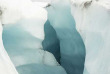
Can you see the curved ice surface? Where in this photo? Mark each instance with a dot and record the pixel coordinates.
(93, 21)
(71, 45)
(41, 69)
(31, 19)
(6, 66)
(51, 42)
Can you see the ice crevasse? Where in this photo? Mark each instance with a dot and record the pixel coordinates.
(16, 13)
(72, 49)
(92, 19)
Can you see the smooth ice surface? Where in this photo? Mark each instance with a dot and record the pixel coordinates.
(6, 66)
(23, 50)
(28, 23)
(32, 20)
(71, 45)
(93, 22)
(51, 42)
(41, 4)
(40, 69)
(41, 0)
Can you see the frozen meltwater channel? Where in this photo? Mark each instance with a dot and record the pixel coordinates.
(93, 23)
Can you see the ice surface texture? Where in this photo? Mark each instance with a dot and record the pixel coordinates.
(93, 22)
(71, 45)
(29, 18)
(40, 69)
(51, 41)
(6, 66)
(22, 48)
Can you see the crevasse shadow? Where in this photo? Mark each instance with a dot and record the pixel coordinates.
(51, 42)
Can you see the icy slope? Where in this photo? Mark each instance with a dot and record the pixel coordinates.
(71, 45)
(51, 42)
(93, 22)
(23, 35)
(6, 66)
(40, 69)
(23, 50)
(31, 19)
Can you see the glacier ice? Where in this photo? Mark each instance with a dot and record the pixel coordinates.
(41, 4)
(6, 66)
(92, 19)
(41, 69)
(30, 18)
(22, 48)
(51, 42)
(71, 45)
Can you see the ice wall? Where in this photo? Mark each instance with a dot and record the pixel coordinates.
(6, 65)
(23, 50)
(51, 42)
(71, 45)
(93, 21)
(30, 26)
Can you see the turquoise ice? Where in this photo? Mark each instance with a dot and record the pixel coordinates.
(72, 49)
